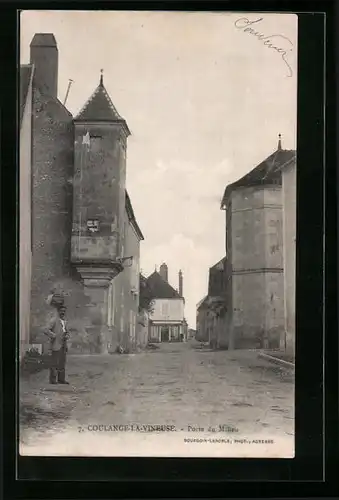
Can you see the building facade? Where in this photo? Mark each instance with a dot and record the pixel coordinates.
(255, 257)
(167, 319)
(82, 224)
(25, 223)
(212, 311)
(218, 332)
(202, 320)
(124, 291)
(289, 186)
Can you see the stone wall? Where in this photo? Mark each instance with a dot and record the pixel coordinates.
(274, 309)
(52, 201)
(25, 257)
(99, 193)
(125, 295)
(53, 141)
(248, 315)
(224, 331)
(257, 267)
(289, 200)
(202, 330)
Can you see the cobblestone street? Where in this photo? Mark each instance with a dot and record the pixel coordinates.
(179, 385)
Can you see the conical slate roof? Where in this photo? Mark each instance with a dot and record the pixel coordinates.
(160, 289)
(100, 107)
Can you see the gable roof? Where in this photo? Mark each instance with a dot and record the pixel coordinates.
(26, 71)
(160, 289)
(201, 302)
(100, 107)
(145, 293)
(219, 265)
(131, 216)
(216, 279)
(267, 172)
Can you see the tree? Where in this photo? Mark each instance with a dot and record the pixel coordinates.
(146, 299)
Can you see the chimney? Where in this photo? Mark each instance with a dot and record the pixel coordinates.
(180, 283)
(44, 56)
(164, 271)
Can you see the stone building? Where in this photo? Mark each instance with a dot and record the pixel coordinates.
(25, 223)
(124, 290)
(84, 232)
(212, 316)
(167, 320)
(191, 334)
(202, 320)
(289, 186)
(218, 331)
(255, 255)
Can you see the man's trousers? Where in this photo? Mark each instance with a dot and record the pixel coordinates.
(57, 366)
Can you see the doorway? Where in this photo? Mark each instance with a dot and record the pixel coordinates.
(164, 334)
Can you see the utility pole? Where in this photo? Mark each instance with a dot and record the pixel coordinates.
(68, 88)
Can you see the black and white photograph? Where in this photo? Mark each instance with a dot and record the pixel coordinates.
(157, 224)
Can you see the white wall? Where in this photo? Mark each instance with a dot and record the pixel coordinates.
(168, 310)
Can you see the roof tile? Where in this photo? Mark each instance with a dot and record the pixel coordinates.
(99, 107)
(160, 289)
(267, 172)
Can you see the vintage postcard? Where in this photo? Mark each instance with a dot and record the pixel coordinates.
(157, 233)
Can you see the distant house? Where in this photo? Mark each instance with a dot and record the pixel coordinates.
(191, 333)
(167, 320)
(255, 257)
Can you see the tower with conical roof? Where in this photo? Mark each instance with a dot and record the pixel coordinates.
(254, 267)
(99, 180)
(99, 196)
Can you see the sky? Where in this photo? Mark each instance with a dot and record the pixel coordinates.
(205, 101)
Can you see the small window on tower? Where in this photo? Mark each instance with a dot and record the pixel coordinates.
(96, 143)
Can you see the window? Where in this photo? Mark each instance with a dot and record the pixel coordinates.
(96, 143)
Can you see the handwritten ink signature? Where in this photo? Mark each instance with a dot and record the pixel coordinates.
(245, 24)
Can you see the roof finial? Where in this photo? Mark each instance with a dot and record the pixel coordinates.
(279, 142)
(101, 78)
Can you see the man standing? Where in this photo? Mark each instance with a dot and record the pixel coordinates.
(58, 336)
